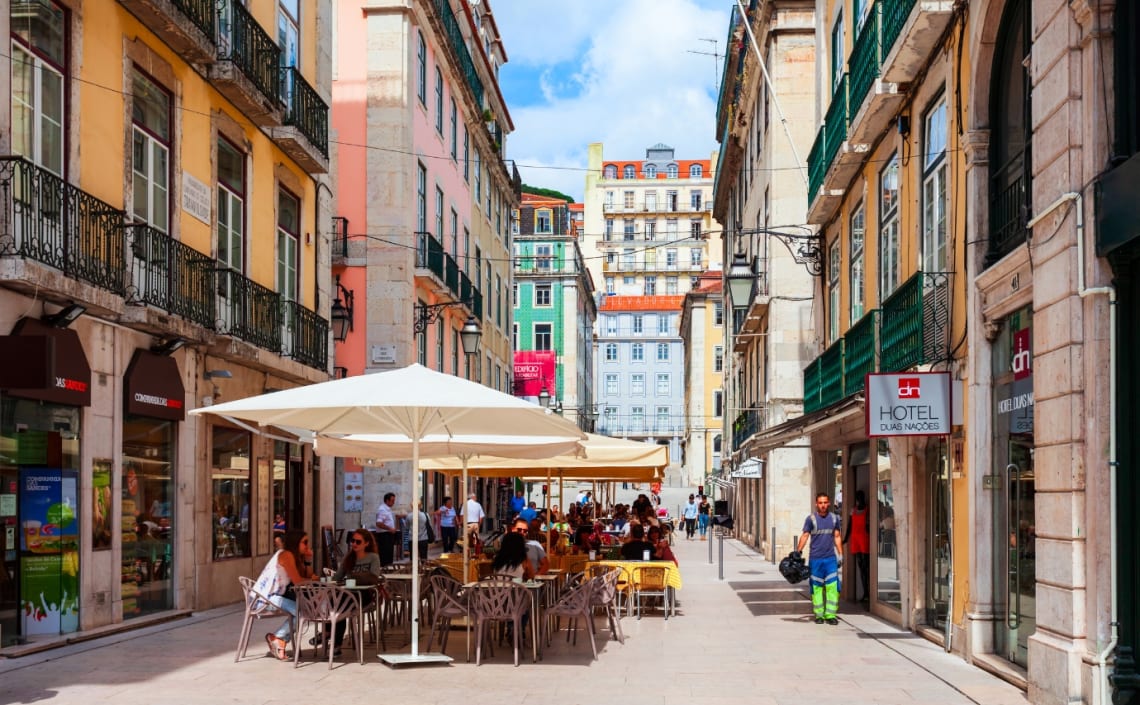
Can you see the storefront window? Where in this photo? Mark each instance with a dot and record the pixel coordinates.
(887, 553)
(288, 476)
(39, 508)
(148, 515)
(230, 479)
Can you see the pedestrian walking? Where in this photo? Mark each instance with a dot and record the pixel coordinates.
(689, 514)
(704, 512)
(473, 515)
(825, 556)
(447, 524)
(858, 540)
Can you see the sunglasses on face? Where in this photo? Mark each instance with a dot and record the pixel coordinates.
(358, 542)
(520, 531)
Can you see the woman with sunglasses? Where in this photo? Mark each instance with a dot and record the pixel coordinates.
(362, 564)
(286, 568)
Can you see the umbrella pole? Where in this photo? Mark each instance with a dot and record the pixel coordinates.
(466, 520)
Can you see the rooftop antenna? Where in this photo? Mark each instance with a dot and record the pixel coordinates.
(716, 58)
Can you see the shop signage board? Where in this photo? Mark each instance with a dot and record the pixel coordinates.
(749, 469)
(908, 404)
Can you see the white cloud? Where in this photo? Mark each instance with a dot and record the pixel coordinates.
(634, 83)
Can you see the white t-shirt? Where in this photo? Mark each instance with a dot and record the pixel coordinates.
(473, 512)
(385, 516)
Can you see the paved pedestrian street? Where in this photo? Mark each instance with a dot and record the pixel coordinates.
(746, 639)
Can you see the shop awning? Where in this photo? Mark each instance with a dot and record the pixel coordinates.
(152, 386)
(798, 427)
(70, 378)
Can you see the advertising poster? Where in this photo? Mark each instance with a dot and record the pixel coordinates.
(101, 504)
(353, 491)
(534, 371)
(49, 541)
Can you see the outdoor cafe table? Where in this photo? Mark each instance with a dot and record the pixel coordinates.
(535, 589)
(672, 572)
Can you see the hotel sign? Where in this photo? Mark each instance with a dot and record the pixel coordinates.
(908, 404)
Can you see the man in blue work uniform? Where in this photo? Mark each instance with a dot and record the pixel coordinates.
(823, 529)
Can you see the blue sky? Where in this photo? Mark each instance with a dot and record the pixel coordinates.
(621, 72)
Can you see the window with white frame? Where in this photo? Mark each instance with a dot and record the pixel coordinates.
(718, 358)
(439, 231)
(609, 171)
(454, 234)
(662, 384)
(288, 237)
(478, 167)
(454, 130)
(663, 321)
(718, 403)
(150, 160)
(611, 352)
(718, 313)
(421, 69)
(39, 64)
(695, 229)
(515, 336)
(542, 295)
(611, 258)
(695, 199)
(438, 101)
(637, 418)
(609, 231)
(856, 272)
(627, 199)
(671, 200)
(696, 171)
(627, 259)
(543, 336)
(671, 258)
(833, 291)
(671, 286)
(439, 352)
(421, 201)
(671, 171)
(663, 352)
(837, 57)
(466, 155)
(696, 256)
(664, 422)
(637, 352)
(231, 207)
(650, 254)
(889, 228)
(934, 197)
(628, 281)
(650, 171)
(651, 200)
(610, 286)
(544, 256)
(612, 384)
(650, 285)
(651, 230)
(627, 229)
(515, 295)
(515, 216)
(609, 201)
(628, 172)
(455, 351)
(671, 228)
(638, 324)
(637, 384)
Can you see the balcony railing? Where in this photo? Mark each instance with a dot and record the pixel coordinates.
(430, 255)
(831, 374)
(306, 335)
(835, 123)
(248, 310)
(200, 13)
(1009, 208)
(748, 423)
(915, 322)
(340, 235)
(171, 276)
(895, 14)
(304, 109)
(812, 399)
(459, 46)
(46, 219)
(817, 168)
(866, 57)
(242, 41)
(859, 348)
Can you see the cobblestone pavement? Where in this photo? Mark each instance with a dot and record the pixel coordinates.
(746, 639)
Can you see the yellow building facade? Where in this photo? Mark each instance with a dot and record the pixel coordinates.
(166, 213)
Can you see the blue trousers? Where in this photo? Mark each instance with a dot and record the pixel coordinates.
(824, 586)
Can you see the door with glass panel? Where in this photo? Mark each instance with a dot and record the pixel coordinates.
(230, 234)
(937, 534)
(288, 229)
(288, 32)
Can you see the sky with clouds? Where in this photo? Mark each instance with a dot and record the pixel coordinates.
(627, 73)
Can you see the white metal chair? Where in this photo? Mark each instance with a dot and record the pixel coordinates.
(257, 606)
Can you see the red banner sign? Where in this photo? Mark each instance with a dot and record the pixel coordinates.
(534, 371)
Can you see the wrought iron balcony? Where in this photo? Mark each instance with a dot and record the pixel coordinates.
(46, 219)
(1009, 208)
(866, 56)
(248, 310)
(817, 168)
(171, 276)
(429, 254)
(304, 135)
(831, 374)
(915, 322)
(187, 26)
(835, 122)
(748, 423)
(249, 63)
(459, 46)
(306, 335)
(860, 348)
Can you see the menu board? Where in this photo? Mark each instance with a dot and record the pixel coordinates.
(264, 497)
(353, 491)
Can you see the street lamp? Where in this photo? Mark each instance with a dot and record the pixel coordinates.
(469, 336)
(544, 398)
(341, 312)
(741, 279)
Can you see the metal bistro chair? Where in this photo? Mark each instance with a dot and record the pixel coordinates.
(495, 600)
(257, 606)
(575, 605)
(449, 604)
(605, 596)
(649, 581)
(326, 605)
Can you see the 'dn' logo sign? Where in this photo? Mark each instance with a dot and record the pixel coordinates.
(909, 388)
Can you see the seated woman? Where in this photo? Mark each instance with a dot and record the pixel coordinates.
(285, 569)
(660, 540)
(363, 565)
(599, 538)
(637, 546)
(511, 558)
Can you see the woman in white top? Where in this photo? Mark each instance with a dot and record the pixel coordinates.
(285, 569)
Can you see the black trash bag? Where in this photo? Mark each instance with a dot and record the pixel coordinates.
(794, 569)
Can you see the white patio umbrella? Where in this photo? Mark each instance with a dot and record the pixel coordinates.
(410, 404)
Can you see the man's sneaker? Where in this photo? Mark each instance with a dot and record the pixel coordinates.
(819, 620)
(832, 621)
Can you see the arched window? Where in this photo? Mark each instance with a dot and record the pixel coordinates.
(629, 172)
(650, 171)
(1011, 133)
(671, 171)
(696, 172)
(610, 172)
